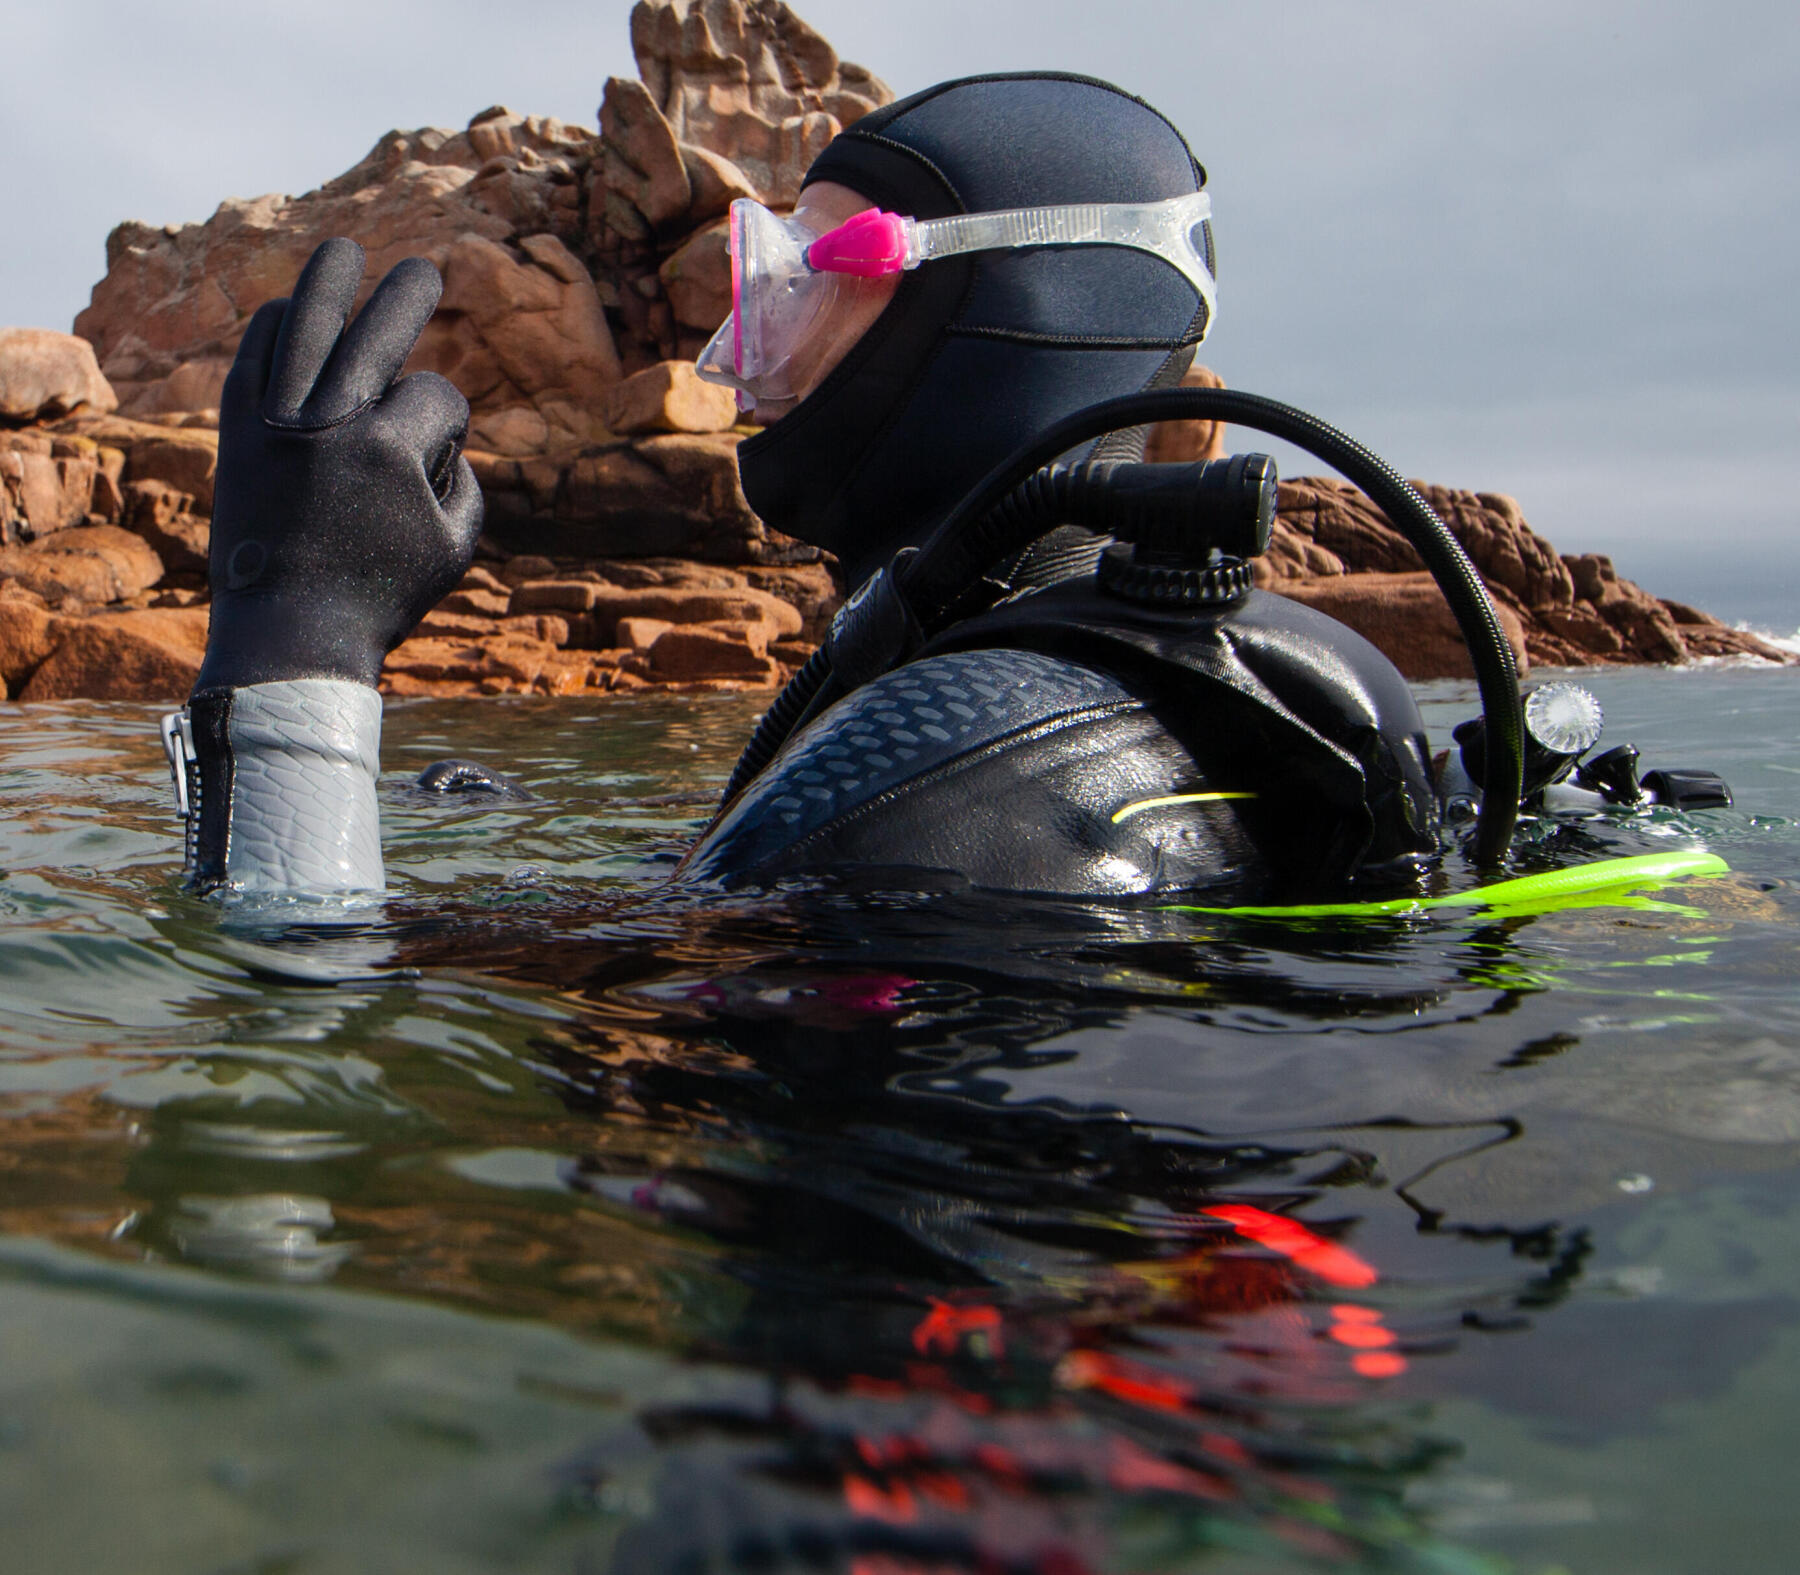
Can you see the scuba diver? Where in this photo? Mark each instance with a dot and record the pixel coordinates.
(1056, 675)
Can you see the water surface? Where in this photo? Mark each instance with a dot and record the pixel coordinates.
(551, 1223)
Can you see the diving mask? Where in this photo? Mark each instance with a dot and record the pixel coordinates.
(785, 275)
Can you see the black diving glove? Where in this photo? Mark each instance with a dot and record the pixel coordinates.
(343, 509)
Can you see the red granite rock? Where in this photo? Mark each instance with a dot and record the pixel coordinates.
(639, 162)
(26, 635)
(153, 654)
(1182, 442)
(180, 297)
(1573, 610)
(751, 82)
(683, 655)
(1406, 617)
(670, 397)
(583, 271)
(477, 602)
(92, 565)
(641, 633)
(164, 518)
(697, 280)
(806, 587)
(761, 616)
(45, 375)
(185, 459)
(47, 483)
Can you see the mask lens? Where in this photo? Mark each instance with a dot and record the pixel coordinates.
(775, 299)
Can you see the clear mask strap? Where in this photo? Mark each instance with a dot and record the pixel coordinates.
(1169, 230)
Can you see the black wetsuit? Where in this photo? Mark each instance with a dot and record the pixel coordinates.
(1061, 744)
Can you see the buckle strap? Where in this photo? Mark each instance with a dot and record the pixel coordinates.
(178, 747)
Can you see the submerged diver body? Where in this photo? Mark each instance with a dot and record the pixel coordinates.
(1055, 711)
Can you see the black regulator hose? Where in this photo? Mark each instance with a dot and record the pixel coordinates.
(1011, 507)
(778, 723)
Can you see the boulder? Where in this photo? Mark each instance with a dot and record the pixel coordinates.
(1406, 617)
(806, 587)
(684, 655)
(152, 654)
(639, 159)
(184, 460)
(481, 578)
(566, 596)
(715, 181)
(693, 478)
(92, 565)
(523, 334)
(1182, 442)
(195, 386)
(45, 375)
(641, 633)
(479, 601)
(47, 483)
(165, 519)
(107, 498)
(26, 635)
(670, 397)
(667, 494)
(697, 279)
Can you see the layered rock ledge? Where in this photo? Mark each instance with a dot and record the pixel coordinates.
(584, 267)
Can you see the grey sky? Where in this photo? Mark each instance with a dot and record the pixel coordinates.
(1541, 248)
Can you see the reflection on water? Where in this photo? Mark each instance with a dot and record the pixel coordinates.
(875, 1234)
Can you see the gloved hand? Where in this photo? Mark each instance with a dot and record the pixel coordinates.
(343, 508)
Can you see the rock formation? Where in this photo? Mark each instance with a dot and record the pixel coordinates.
(1333, 548)
(44, 375)
(570, 261)
(583, 270)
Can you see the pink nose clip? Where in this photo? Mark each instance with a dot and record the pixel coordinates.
(869, 246)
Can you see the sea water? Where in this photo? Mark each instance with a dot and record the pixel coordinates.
(545, 1221)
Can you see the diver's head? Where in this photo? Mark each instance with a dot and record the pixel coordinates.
(919, 382)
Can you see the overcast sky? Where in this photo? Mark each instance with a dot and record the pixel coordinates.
(1547, 249)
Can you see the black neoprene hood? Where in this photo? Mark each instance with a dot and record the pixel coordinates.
(976, 354)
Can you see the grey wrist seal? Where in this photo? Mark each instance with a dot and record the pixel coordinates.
(276, 782)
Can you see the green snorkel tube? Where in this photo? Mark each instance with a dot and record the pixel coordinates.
(1603, 883)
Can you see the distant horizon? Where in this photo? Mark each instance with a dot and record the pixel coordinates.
(1509, 247)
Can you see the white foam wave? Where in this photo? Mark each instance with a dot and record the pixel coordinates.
(1785, 642)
